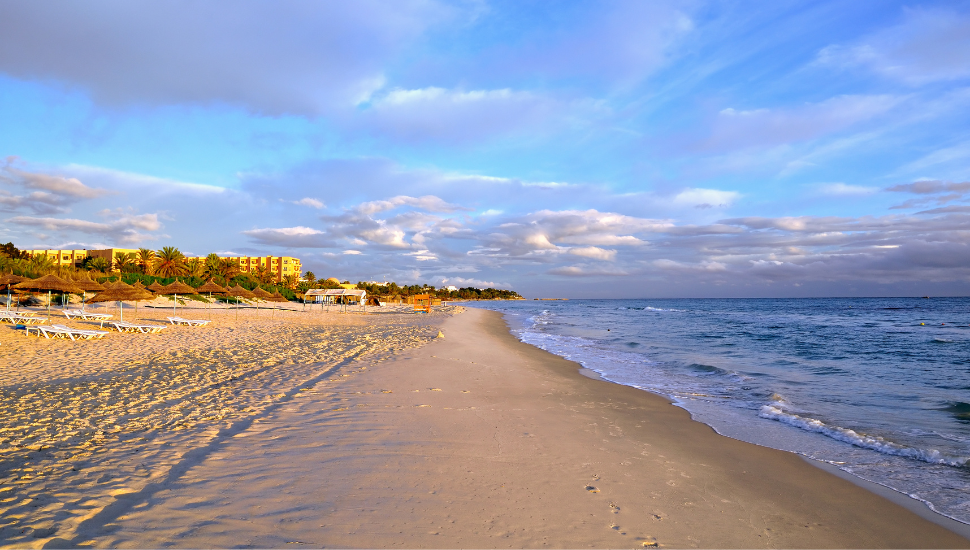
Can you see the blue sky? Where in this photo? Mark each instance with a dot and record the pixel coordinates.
(581, 149)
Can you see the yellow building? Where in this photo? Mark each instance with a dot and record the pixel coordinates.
(73, 258)
(111, 255)
(279, 266)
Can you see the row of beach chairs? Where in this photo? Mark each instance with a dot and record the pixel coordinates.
(26, 318)
(32, 324)
(61, 331)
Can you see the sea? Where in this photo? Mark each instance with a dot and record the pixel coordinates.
(878, 387)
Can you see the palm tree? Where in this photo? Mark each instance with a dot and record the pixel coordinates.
(146, 261)
(170, 262)
(290, 280)
(310, 277)
(41, 263)
(196, 267)
(228, 268)
(126, 262)
(211, 265)
(263, 274)
(99, 264)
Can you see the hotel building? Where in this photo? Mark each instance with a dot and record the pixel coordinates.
(279, 266)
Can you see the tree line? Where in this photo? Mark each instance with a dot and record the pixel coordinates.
(168, 263)
(148, 266)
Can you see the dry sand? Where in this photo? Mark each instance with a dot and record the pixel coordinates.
(473, 440)
(86, 425)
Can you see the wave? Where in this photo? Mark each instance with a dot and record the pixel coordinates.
(871, 442)
(647, 308)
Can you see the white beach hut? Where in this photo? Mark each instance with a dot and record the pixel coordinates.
(344, 297)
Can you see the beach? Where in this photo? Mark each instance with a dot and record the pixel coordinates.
(351, 430)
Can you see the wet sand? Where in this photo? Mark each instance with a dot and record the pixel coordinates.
(471, 440)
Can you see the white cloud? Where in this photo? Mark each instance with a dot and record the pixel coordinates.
(738, 129)
(462, 282)
(586, 271)
(290, 237)
(427, 202)
(120, 227)
(460, 116)
(929, 45)
(306, 58)
(594, 252)
(311, 202)
(844, 190)
(705, 198)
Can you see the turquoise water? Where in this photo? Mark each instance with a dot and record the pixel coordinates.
(856, 382)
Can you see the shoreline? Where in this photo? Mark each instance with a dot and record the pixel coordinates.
(479, 440)
(918, 507)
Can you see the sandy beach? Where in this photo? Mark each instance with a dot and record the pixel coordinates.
(326, 429)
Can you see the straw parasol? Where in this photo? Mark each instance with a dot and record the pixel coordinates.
(239, 292)
(210, 287)
(49, 283)
(277, 297)
(155, 287)
(87, 285)
(176, 287)
(121, 292)
(9, 280)
(262, 295)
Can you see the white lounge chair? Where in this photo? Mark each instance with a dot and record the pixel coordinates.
(122, 326)
(189, 322)
(15, 317)
(86, 315)
(79, 333)
(61, 331)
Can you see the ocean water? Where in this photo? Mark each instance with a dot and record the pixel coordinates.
(879, 387)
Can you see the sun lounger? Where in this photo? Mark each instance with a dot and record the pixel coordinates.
(122, 326)
(86, 315)
(14, 317)
(80, 333)
(189, 322)
(61, 331)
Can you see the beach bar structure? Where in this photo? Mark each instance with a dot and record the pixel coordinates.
(337, 296)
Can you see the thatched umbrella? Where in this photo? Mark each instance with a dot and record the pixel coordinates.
(155, 287)
(175, 288)
(121, 292)
(239, 292)
(262, 295)
(276, 297)
(10, 279)
(49, 283)
(211, 287)
(87, 285)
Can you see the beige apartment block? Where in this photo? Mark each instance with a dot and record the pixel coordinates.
(72, 258)
(110, 254)
(279, 266)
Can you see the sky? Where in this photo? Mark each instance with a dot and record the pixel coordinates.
(612, 149)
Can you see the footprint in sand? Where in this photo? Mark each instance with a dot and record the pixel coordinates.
(386, 391)
(465, 391)
(435, 389)
(592, 489)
